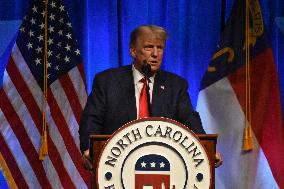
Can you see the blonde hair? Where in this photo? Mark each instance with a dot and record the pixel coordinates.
(156, 30)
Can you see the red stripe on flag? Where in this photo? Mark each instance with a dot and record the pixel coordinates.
(24, 92)
(266, 109)
(72, 96)
(12, 164)
(67, 138)
(53, 154)
(82, 72)
(36, 115)
(24, 140)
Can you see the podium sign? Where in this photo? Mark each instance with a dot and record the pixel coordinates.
(154, 153)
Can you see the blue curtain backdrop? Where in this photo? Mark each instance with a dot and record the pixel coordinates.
(102, 28)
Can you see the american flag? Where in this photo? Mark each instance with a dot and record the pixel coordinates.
(22, 99)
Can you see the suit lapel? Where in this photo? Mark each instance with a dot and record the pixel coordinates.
(128, 91)
(160, 94)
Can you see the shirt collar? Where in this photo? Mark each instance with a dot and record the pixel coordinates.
(138, 76)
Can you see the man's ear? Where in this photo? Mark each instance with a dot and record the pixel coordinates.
(133, 52)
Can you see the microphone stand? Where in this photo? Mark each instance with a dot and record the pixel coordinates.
(146, 70)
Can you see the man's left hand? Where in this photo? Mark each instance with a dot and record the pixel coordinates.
(218, 160)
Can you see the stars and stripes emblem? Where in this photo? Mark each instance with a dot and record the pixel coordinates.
(152, 170)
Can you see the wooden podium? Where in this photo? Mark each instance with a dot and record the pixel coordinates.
(209, 141)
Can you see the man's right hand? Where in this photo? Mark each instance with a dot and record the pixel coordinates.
(86, 160)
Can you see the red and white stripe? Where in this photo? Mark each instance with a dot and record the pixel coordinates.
(221, 106)
(20, 117)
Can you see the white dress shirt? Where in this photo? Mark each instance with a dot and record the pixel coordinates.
(139, 85)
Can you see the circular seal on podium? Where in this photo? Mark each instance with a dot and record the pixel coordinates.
(153, 153)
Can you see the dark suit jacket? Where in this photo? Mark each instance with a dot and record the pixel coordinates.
(112, 103)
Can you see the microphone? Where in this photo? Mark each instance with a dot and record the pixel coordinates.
(146, 69)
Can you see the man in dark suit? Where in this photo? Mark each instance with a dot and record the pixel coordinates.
(114, 99)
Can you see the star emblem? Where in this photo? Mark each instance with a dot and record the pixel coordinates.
(153, 164)
(143, 164)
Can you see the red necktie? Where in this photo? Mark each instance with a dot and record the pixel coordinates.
(143, 101)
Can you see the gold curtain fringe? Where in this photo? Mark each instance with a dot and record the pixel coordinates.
(7, 173)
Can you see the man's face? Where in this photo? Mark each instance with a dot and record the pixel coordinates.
(150, 48)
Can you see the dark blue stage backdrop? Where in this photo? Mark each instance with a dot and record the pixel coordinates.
(102, 28)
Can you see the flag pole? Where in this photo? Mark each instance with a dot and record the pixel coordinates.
(247, 140)
(43, 147)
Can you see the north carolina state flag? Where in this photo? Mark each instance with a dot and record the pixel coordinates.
(222, 103)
